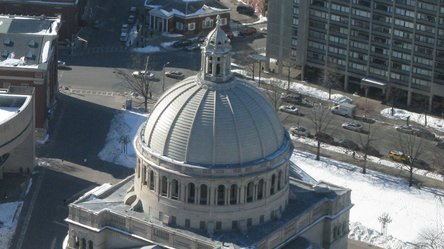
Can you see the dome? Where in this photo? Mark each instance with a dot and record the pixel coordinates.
(229, 124)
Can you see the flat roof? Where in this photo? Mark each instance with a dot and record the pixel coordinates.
(304, 197)
(10, 105)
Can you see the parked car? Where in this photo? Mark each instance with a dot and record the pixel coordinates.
(325, 138)
(131, 19)
(245, 9)
(300, 131)
(372, 151)
(348, 144)
(174, 74)
(123, 36)
(440, 144)
(292, 98)
(365, 119)
(420, 164)
(247, 31)
(143, 74)
(305, 102)
(353, 126)
(415, 130)
(133, 10)
(182, 43)
(124, 28)
(61, 65)
(398, 156)
(193, 47)
(289, 109)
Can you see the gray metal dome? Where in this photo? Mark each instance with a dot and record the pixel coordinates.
(213, 126)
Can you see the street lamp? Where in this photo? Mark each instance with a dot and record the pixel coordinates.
(163, 76)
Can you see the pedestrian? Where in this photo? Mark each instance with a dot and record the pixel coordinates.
(353, 154)
(151, 94)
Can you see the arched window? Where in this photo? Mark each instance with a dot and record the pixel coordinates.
(151, 173)
(279, 180)
(221, 195)
(260, 189)
(164, 186)
(217, 69)
(144, 174)
(90, 244)
(233, 194)
(203, 194)
(191, 192)
(250, 190)
(273, 181)
(83, 244)
(174, 189)
(210, 65)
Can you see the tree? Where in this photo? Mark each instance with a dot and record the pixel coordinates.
(321, 117)
(330, 79)
(140, 86)
(438, 162)
(431, 238)
(273, 92)
(412, 146)
(365, 142)
(384, 219)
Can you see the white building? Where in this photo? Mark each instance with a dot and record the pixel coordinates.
(213, 171)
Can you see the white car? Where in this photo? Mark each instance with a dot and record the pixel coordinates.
(123, 36)
(289, 109)
(174, 74)
(300, 131)
(353, 126)
(125, 28)
(143, 74)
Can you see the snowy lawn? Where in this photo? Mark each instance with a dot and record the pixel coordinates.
(432, 122)
(147, 49)
(411, 209)
(9, 213)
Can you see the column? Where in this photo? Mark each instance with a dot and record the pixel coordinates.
(242, 194)
(197, 193)
(227, 195)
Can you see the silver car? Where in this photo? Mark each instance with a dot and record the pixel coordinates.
(353, 126)
(300, 131)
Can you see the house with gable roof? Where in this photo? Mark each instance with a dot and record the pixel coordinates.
(185, 16)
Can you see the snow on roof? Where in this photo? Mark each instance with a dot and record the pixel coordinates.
(45, 51)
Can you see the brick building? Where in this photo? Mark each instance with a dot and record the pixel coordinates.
(28, 57)
(185, 17)
(71, 12)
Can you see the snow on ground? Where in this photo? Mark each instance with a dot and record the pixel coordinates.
(132, 35)
(371, 236)
(147, 49)
(172, 35)
(123, 124)
(411, 209)
(167, 44)
(9, 213)
(432, 122)
(262, 19)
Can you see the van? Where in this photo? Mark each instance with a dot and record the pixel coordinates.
(245, 9)
(347, 110)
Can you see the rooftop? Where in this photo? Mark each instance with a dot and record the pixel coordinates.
(42, 2)
(304, 199)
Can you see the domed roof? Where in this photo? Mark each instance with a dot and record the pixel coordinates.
(213, 127)
(217, 40)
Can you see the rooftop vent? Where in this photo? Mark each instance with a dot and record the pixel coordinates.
(5, 54)
(32, 44)
(8, 42)
(30, 55)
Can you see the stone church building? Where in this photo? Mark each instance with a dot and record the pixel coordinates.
(213, 171)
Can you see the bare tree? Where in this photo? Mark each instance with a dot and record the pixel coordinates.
(273, 92)
(140, 85)
(431, 238)
(413, 147)
(438, 162)
(330, 79)
(365, 141)
(321, 117)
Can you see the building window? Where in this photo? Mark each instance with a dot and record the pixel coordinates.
(207, 23)
(221, 195)
(203, 194)
(260, 189)
(191, 26)
(179, 26)
(164, 186)
(249, 222)
(202, 225)
(234, 224)
(191, 192)
(174, 189)
(173, 220)
(218, 226)
(233, 194)
(261, 219)
(187, 223)
(250, 188)
(223, 21)
(151, 173)
(273, 181)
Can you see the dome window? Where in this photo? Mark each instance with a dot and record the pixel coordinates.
(32, 44)
(30, 55)
(5, 53)
(8, 42)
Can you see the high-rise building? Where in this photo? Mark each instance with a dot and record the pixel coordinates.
(392, 49)
(213, 171)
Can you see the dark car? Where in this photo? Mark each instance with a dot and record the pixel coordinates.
(182, 43)
(292, 98)
(348, 144)
(247, 31)
(372, 151)
(420, 164)
(325, 138)
(174, 74)
(245, 9)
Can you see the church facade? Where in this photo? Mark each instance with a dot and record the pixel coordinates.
(213, 171)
